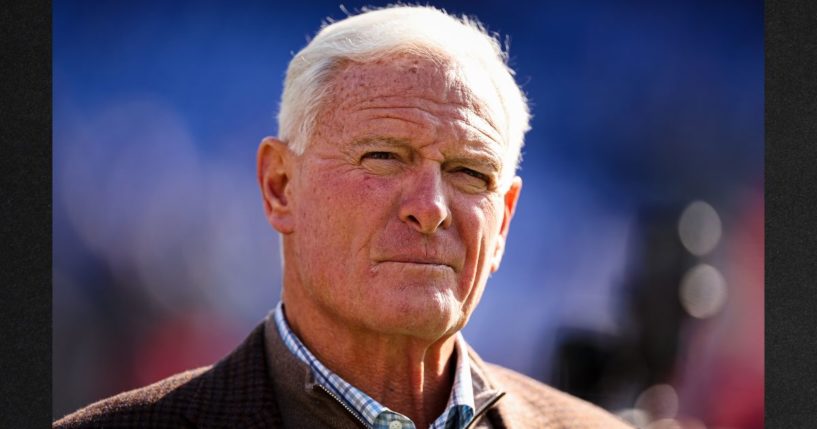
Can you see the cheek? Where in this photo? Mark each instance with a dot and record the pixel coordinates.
(480, 236)
(341, 210)
(482, 232)
(483, 223)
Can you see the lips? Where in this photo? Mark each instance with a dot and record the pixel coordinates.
(418, 260)
(403, 246)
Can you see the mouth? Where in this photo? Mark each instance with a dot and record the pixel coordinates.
(438, 264)
(416, 262)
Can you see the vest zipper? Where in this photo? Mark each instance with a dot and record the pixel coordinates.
(483, 409)
(346, 407)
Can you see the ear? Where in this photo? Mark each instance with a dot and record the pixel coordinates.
(274, 164)
(510, 199)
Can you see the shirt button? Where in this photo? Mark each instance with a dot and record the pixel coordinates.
(395, 424)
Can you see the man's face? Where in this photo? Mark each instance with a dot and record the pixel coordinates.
(397, 212)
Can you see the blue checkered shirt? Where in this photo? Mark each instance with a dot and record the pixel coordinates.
(458, 412)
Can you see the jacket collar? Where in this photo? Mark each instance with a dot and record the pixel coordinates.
(239, 391)
(262, 385)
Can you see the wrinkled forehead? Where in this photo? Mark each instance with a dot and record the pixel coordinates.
(421, 75)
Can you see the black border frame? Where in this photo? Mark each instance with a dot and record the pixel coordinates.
(791, 206)
(25, 207)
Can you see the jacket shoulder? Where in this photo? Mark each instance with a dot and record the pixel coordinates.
(158, 405)
(528, 400)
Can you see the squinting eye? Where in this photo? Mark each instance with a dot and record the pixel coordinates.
(475, 174)
(379, 155)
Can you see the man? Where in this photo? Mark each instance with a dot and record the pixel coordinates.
(392, 184)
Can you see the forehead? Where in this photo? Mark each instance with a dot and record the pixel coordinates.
(418, 88)
(408, 74)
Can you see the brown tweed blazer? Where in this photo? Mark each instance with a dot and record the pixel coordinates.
(262, 385)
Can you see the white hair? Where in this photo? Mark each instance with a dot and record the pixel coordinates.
(375, 34)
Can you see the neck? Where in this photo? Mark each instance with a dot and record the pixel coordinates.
(408, 375)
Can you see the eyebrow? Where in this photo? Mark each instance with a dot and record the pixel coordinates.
(380, 141)
(486, 160)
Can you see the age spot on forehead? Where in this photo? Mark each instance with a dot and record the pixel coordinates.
(401, 75)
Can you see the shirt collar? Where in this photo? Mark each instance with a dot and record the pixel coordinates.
(458, 411)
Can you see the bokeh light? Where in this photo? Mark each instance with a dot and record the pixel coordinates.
(703, 291)
(699, 228)
(659, 402)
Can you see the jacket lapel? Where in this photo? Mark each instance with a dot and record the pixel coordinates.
(237, 391)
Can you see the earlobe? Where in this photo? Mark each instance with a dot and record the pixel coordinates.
(273, 168)
(509, 208)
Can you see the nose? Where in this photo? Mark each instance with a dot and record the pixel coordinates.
(424, 206)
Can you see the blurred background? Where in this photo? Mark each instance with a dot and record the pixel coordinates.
(633, 275)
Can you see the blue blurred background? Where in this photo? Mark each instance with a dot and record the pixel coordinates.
(633, 275)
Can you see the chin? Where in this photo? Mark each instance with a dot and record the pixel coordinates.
(429, 316)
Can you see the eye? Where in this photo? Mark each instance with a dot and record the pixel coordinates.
(472, 180)
(379, 155)
(475, 174)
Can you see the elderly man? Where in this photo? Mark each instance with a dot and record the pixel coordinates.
(392, 185)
